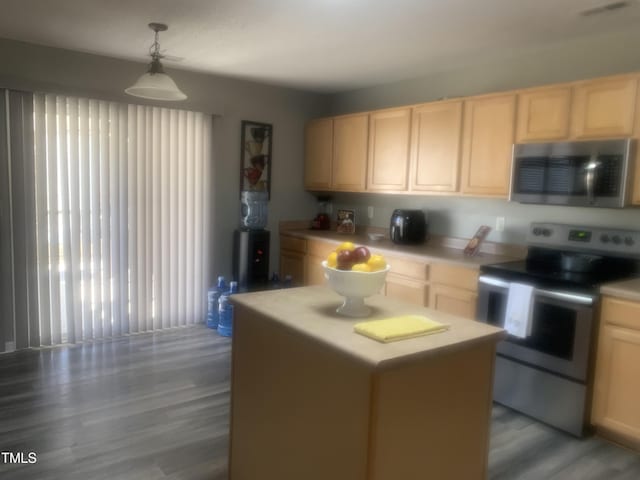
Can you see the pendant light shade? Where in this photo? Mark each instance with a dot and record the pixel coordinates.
(155, 84)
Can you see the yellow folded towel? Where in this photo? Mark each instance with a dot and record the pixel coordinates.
(399, 328)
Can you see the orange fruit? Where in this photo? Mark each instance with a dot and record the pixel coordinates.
(377, 262)
(361, 267)
(332, 260)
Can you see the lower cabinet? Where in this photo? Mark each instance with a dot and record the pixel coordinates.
(454, 289)
(407, 280)
(442, 286)
(453, 300)
(317, 252)
(293, 252)
(406, 289)
(616, 401)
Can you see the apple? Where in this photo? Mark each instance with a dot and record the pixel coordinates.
(361, 254)
(345, 259)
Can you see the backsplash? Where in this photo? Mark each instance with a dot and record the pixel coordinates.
(461, 217)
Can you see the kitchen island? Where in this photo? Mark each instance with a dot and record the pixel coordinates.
(311, 399)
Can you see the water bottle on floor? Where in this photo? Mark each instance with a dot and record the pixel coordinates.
(213, 295)
(225, 311)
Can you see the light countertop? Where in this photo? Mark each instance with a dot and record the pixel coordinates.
(433, 250)
(626, 289)
(310, 311)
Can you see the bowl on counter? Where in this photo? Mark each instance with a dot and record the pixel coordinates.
(354, 287)
(375, 237)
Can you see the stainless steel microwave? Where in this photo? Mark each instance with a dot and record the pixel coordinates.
(588, 174)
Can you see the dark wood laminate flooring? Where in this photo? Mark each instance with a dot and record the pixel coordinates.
(156, 406)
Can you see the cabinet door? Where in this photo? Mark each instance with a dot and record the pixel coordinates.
(487, 144)
(314, 271)
(604, 108)
(636, 165)
(453, 300)
(543, 114)
(388, 159)
(455, 276)
(293, 263)
(350, 139)
(617, 386)
(407, 290)
(318, 154)
(435, 146)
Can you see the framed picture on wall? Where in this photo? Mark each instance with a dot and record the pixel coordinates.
(255, 154)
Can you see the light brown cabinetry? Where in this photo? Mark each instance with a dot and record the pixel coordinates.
(488, 135)
(454, 290)
(604, 108)
(543, 114)
(435, 146)
(317, 252)
(293, 251)
(407, 280)
(388, 157)
(318, 154)
(311, 401)
(635, 199)
(616, 400)
(464, 145)
(350, 142)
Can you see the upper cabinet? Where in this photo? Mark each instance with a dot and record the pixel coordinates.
(543, 114)
(435, 146)
(350, 141)
(488, 135)
(464, 146)
(388, 158)
(604, 108)
(318, 154)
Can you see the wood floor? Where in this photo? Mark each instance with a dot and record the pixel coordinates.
(156, 406)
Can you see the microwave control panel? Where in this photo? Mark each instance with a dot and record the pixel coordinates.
(607, 240)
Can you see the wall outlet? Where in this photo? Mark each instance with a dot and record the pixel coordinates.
(329, 208)
(370, 212)
(499, 224)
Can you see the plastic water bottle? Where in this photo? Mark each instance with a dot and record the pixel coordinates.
(225, 311)
(212, 302)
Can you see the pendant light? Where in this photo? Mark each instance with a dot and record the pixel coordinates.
(155, 84)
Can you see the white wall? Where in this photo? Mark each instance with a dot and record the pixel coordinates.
(34, 68)
(579, 59)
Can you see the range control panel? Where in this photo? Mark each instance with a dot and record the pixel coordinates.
(606, 240)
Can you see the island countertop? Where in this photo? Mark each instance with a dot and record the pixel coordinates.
(311, 311)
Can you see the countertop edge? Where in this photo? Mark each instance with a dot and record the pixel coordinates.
(626, 289)
(492, 334)
(439, 253)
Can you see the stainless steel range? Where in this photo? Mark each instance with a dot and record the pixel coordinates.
(545, 369)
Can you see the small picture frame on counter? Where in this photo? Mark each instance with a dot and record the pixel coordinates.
(346, 221)
(473, 247)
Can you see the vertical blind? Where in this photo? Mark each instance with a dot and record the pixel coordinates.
(122, 199)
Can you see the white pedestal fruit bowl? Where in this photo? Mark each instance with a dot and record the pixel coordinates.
(354, 287)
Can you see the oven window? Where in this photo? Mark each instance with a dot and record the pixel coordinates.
(552, 332)
(496, 308)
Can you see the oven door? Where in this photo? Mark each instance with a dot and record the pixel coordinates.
(561, 329)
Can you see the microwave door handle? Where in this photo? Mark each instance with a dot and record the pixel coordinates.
(590, 178)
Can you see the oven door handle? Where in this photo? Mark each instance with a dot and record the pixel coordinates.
(565, 296)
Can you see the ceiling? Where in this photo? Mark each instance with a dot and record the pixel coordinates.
(316, 45)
